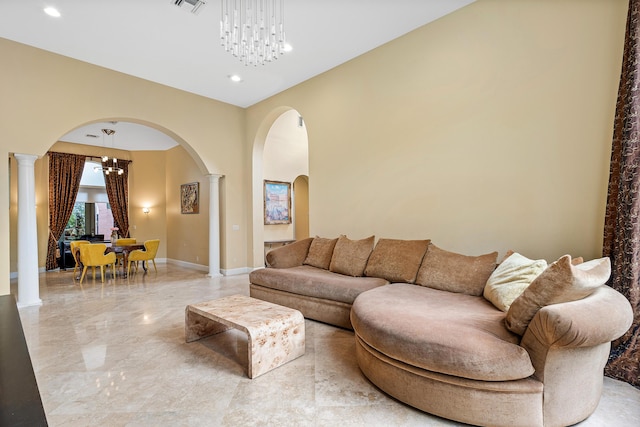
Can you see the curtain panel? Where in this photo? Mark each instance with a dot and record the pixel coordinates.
(117, 187)
(622, 221)
(65, 172)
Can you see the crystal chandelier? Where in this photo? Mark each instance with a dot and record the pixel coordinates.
(253, 30)
(109, 165)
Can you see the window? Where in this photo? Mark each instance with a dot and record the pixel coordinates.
(92, 213)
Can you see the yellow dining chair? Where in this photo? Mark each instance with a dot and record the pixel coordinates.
(148, 254)
(124, 241)
(72, 247)
(93, 256)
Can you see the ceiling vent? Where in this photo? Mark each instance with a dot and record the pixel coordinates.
(193, 5)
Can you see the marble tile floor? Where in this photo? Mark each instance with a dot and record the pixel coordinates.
(114, 354)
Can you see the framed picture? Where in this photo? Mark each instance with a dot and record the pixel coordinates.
(190, 198)
(277, 202)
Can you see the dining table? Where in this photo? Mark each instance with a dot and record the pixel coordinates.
(125, 250)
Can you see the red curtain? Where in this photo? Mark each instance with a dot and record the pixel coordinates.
(622, 221)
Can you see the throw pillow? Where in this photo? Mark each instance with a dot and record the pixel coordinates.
(350, 256)
(511, 278)
(320, 252)
(396, 260)
(449, 271)
(560, 282)
(290, 255)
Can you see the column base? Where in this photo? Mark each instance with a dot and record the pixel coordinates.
(21, 304)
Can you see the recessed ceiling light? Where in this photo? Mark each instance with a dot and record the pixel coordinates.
(288, 47)
(235, 78)
(52, 11)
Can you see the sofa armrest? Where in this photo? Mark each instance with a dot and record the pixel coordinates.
(291, 255)
(569, 345)
(562, 337)
(599, 318)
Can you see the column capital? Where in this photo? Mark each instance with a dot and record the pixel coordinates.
(25, 158)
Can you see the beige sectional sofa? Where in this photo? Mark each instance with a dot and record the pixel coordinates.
(521, 343)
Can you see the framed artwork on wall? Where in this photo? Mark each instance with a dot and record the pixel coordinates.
(277, 202)
(190, 198)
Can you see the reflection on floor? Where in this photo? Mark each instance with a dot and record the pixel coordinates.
(115, 355)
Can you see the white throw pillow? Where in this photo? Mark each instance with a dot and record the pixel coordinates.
(511, 278)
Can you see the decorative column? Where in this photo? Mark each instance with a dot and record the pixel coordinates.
(214, 225)
(28, 282)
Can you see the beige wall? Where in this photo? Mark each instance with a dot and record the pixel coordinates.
(147, 188)
(489, 129)
(188, 234)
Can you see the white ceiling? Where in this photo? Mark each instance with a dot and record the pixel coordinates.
(158, 41)
(127, 136)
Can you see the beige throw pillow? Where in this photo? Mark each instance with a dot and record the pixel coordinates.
(511, 278)
(449, 271)
(560, 282)
(396, 260)
(291, 255)
(320, 252)
(350, 256)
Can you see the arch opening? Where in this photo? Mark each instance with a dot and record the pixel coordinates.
(281, 154)
(154, 193)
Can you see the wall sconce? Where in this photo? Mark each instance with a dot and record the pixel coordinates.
(146, 210)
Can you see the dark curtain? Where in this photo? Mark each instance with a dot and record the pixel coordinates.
(622, 221)
(65, 172)
(117, 186)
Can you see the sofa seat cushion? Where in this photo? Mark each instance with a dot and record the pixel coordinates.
(449, 333)
(315, 282)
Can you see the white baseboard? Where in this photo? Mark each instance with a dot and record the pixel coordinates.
(193, 265)
(199, 267)
(14, 274)
(235, 271)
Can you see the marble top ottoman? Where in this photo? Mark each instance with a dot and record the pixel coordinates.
(275, 333)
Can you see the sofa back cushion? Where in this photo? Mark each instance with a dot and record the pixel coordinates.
(350, 256)
(560, 282)
(291, 255)
(396, 260)
(449, 271)
(320, 253)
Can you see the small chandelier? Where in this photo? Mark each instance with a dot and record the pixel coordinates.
(109, 165)
(253, 30)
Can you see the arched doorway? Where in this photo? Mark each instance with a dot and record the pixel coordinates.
(280, 154)
(154, 210)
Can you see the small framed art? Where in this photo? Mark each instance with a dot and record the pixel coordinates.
(277, 202)
(190, 198)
